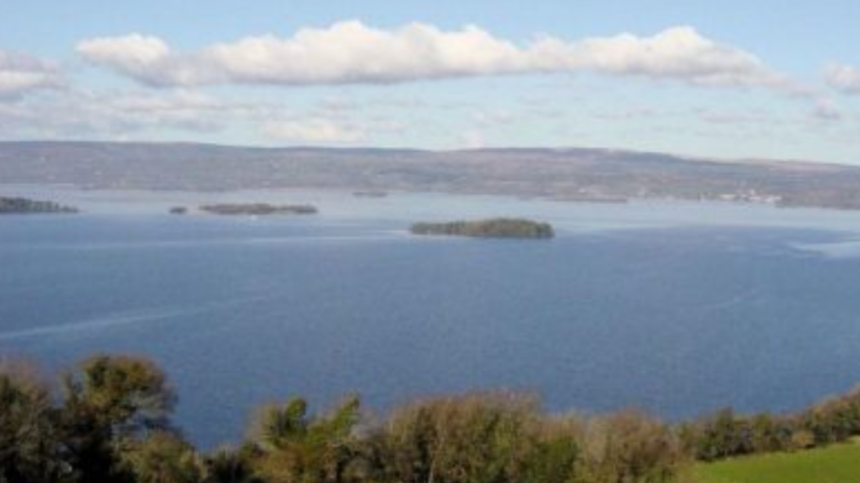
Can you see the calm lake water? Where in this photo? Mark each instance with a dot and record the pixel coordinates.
(678, 308)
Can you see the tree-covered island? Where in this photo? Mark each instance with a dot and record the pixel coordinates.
(370, 194)
(489, 228)
(10, 206)
(261, 209)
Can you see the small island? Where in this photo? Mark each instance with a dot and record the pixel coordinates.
(370, 194)
(178, 210)
(258, 209)
(490, 228)
(11, 206)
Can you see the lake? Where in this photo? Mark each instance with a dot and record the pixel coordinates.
(678, 308)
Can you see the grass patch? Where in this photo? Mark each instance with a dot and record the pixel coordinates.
(835, 464)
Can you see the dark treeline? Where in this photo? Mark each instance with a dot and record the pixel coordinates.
(110, 422)
(725, 434)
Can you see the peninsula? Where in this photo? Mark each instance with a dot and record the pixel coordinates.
(9, 206)
(489, 228)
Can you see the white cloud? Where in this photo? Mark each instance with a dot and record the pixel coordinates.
(145, 114)
(844, 78)
(735, 117)
(676, 53)
(313, 131)
(79, 113)
(22, 73)
(472, 140)
(826, 110)
(135, 55)
(353, 53)
(493, 117)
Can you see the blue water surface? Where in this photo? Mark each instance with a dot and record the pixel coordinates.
(675, 308)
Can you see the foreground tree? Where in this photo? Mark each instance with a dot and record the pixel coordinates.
(298, 448)
(29, 449)
(231, 466)
(129, 395)
(163, 457)
(556, 452)
(112, 403)
(630, 447)
(477, 438)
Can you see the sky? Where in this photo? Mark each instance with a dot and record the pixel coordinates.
(729, 79)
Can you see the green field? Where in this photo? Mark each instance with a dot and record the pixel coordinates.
(836, 464)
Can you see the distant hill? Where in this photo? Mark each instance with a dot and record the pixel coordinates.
(572, 174)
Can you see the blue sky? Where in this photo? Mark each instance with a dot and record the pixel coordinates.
(727, 79)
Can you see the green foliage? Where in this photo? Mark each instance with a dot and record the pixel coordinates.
(112, 403)
(112, 425)
(769, 434)
(277, 427)
(477, 438)
(801, 440)
(833, 420)
(296, 448)
(722, 435)
(90, 450)
(128, 395)
(725, 435)
(630, 447)
(163, 458)
(229, 466)
(556, 451)
(28, 441)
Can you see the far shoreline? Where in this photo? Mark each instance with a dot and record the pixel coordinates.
(442, 206)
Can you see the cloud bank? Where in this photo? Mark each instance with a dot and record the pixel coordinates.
(82, 114)
(353, 53)
(844, 78)
(22, 73)
(314, 131)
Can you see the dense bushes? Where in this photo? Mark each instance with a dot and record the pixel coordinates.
(725, 434)
(111, 424)
(629, 447)
(470, 439)
(292, 447)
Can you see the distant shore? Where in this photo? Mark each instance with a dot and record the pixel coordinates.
(581, 174)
